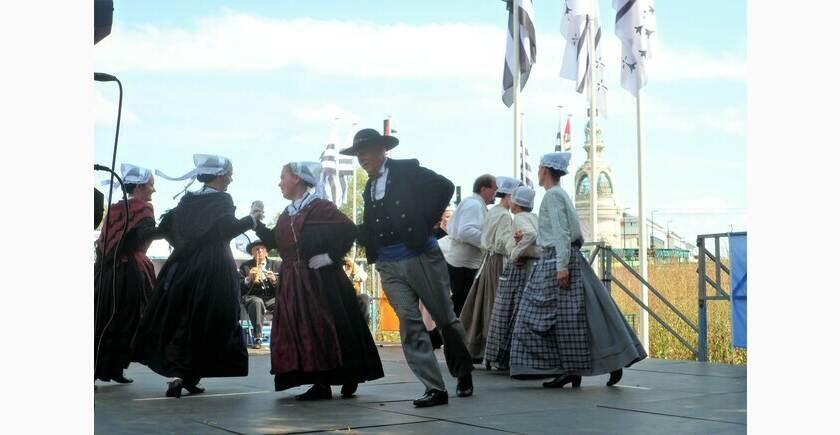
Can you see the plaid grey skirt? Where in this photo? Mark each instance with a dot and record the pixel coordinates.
(511, 283)
(551, 334)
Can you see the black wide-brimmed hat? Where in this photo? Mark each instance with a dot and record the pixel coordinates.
(256, 242)
(369, 137)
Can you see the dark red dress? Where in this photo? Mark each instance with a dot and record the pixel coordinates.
(318, 334)
(123, 281)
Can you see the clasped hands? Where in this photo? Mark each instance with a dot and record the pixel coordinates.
(257, 210)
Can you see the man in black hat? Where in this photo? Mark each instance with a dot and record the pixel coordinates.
(258, 281)
(403, 202)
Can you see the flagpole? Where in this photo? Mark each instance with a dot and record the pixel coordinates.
(643, 237)
(593, 168)
(516, 80)
(353, 131)
(522, 148)
(561, 132)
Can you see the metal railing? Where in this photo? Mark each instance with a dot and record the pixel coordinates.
(607, 258)
(704, 281)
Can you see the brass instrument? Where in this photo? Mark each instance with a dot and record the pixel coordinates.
(258, 276)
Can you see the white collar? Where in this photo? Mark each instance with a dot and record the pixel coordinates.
(383, 169)
(206, 189)
(297, 205)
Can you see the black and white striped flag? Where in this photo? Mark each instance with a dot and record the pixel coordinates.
(576, 30)
(635, 26)
(346, 166)
(331, 175)
(525, 166)
(525, 174)
(527, 48)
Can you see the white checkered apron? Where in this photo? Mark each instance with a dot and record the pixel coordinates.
(551, 332)
(511, 282)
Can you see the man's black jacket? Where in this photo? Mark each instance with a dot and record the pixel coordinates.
(416, 199)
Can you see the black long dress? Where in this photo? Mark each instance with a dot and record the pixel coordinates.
(191, 327)
(123, 281)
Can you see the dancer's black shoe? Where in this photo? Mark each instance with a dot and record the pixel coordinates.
(193, 388)
(348, 390)
(317, 392)
(174, 389)
(465, 386)
(432, 398)
(561, 381)
(615, 376)
(121, 379)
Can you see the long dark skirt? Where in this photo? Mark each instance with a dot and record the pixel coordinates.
(613, 343)
(551, 334)
(118, 306)
(475, 316)
(511, 285)
(353, 359)
(191, 328)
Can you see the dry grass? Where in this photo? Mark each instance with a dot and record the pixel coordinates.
(678, 283)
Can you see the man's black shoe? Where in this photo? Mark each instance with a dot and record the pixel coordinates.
(432, 398)
(465, 386)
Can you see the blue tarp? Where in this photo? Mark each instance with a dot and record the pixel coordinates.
(738, 286)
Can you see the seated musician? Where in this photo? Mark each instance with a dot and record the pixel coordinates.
(258, 283)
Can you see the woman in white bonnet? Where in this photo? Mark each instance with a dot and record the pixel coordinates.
(567, 326)
(318, 334)
(123, 276)
(190, 329)
(524, 252)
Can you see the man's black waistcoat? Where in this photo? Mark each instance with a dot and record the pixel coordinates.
(415, 199)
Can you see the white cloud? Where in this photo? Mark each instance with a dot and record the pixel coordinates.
(327, 113)
(241, 42)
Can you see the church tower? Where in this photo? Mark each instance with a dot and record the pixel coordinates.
(609, 215)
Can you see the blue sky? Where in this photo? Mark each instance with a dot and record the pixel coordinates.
(261, 82)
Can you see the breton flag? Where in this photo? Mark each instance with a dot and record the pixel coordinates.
(575, 29)
(527, 48)
(525, 166)
(635, 26)
(346, 166)
(330, 176)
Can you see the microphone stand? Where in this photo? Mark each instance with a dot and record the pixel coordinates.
(103, 77)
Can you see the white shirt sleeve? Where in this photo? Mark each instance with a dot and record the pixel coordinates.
(529, 238)
(469, 223)
(562, 236)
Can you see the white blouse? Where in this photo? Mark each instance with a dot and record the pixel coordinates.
(558, 225)
(527, 247)
(496, 230)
